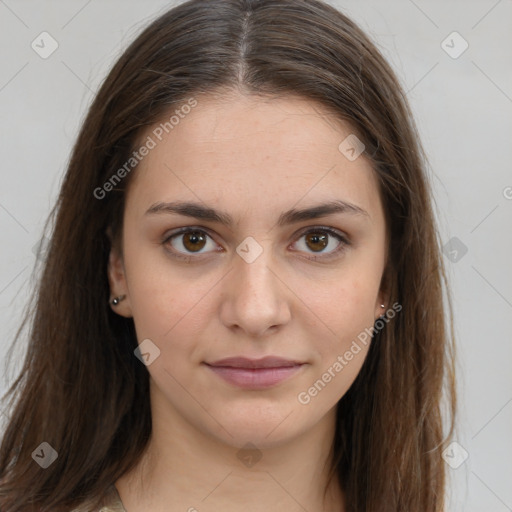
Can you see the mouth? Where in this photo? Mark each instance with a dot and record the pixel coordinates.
(255, 373)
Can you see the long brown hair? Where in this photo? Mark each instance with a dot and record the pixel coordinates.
(82, 390)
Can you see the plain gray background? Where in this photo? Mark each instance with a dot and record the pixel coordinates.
(463, 108)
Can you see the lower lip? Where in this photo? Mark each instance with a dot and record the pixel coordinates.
(255, 378)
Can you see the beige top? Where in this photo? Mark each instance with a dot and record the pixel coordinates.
(111, 502)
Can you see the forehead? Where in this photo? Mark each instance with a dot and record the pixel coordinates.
(252, 152)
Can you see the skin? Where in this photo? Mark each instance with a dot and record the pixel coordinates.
(253, 158)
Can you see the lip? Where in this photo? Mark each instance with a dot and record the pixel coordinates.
(255, 373)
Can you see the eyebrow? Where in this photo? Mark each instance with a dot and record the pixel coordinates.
(205, 213)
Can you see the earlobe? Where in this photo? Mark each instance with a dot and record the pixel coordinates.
(380, 311)
(119, 299)
(382, 305)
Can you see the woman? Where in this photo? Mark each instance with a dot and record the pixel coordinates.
(242, 301)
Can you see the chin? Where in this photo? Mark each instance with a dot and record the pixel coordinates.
(256, 437)
(261, 423)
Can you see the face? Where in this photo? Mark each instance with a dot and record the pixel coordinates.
(218, 263)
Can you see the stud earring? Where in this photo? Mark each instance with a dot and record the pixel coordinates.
(117, 300)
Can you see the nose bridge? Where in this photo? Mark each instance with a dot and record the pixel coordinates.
(254, 267)
(255, 297)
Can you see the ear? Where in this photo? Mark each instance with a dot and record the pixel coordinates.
(383, 297)
(117, 280)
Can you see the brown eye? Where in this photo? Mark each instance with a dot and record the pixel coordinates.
(194, 240)
(326, 242)
(317, 242)
(187, 242)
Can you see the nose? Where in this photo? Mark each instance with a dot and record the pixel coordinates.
(255, 298)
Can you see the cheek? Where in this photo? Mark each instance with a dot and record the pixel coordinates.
(346, 315)
(164, 303)
(343, 305)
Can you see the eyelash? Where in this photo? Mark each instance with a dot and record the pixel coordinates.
(344, 242)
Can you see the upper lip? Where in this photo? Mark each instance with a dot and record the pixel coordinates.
(264, 362)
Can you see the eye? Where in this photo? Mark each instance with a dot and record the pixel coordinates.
(320, 238)
(188, 241)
